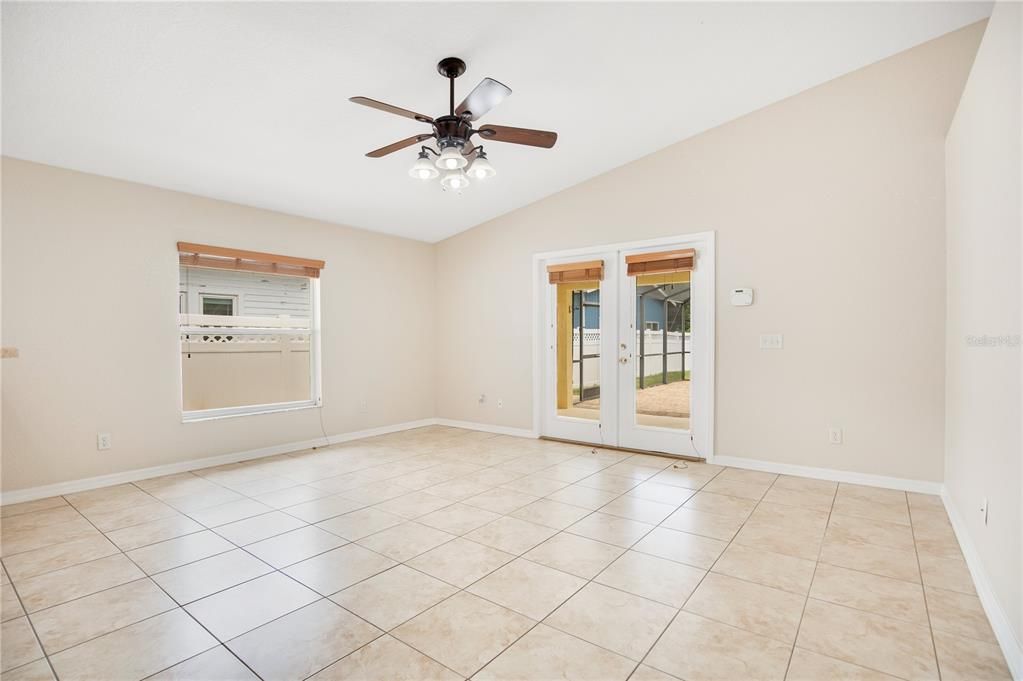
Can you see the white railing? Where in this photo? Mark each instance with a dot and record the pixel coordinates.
(241, 337)
(238, 322)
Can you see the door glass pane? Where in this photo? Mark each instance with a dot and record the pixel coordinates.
(578, 350)
(663, 350)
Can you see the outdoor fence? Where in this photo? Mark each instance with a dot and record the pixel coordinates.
(653, 364)
(236, 361)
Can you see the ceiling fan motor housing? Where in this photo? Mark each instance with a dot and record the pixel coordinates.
(452, 130)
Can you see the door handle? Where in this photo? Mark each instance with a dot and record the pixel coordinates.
(623, 360)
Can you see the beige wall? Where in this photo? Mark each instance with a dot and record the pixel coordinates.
(983, 407)
(63, 310)
(830, 204)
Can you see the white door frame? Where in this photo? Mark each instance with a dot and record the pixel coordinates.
(702, 421)
(604, 429)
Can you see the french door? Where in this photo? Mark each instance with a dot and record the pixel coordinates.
(626, 349)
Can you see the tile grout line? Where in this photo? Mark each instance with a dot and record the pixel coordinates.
(322, 597)
(707, 572)
(35, 633)
(273, 569)
(149, 577)
(536, 472)
(516, 557)
(415, 519)
(637, 483)
(859, 610)
(923, 590)
(809, 588)
(172, 599)
(537, 623)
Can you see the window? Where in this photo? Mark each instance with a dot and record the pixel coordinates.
(219, 305)
(653, 326)
(249, 332)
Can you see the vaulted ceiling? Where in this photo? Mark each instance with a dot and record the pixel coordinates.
(248, 102)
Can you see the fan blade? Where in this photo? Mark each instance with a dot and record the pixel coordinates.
(390, 108)
(391, 148)
(484, 97)
(533, 138)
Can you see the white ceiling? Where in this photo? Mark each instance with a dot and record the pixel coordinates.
(248, 102)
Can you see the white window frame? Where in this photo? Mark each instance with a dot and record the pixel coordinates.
(315, 400)
(203, 295)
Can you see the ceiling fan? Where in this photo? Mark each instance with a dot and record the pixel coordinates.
(456, 155)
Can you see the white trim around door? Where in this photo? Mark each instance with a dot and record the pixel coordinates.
(612, 425)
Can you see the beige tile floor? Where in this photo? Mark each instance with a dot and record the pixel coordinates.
(447, 554)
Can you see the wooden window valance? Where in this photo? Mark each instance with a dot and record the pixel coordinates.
(679, 260)
(216, 257)
(563, 273)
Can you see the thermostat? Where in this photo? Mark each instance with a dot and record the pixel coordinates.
(742, 296)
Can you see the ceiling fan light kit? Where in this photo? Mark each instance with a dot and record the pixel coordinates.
(424, 168)
(456, 158)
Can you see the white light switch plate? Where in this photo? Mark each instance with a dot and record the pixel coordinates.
(771, 341)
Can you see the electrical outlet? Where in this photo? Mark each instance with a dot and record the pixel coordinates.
(483, 399)
(771, 341)
(835, 436)
(500, 403)
(983, 509)
(103, 441)
(363, 406)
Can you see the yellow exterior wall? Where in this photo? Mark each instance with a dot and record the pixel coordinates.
(564, 334)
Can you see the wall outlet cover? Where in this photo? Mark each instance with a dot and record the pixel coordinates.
(103, 441)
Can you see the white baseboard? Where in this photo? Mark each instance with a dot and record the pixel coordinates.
(905, 484)
(486, 428)
(72, 486)
(1011, 646)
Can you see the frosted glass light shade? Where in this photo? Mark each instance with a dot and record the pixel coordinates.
(451, 159)
(481, 169)
(454, 180)
(423, 169)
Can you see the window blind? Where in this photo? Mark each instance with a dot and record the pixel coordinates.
(590, 270)
(680, 260)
